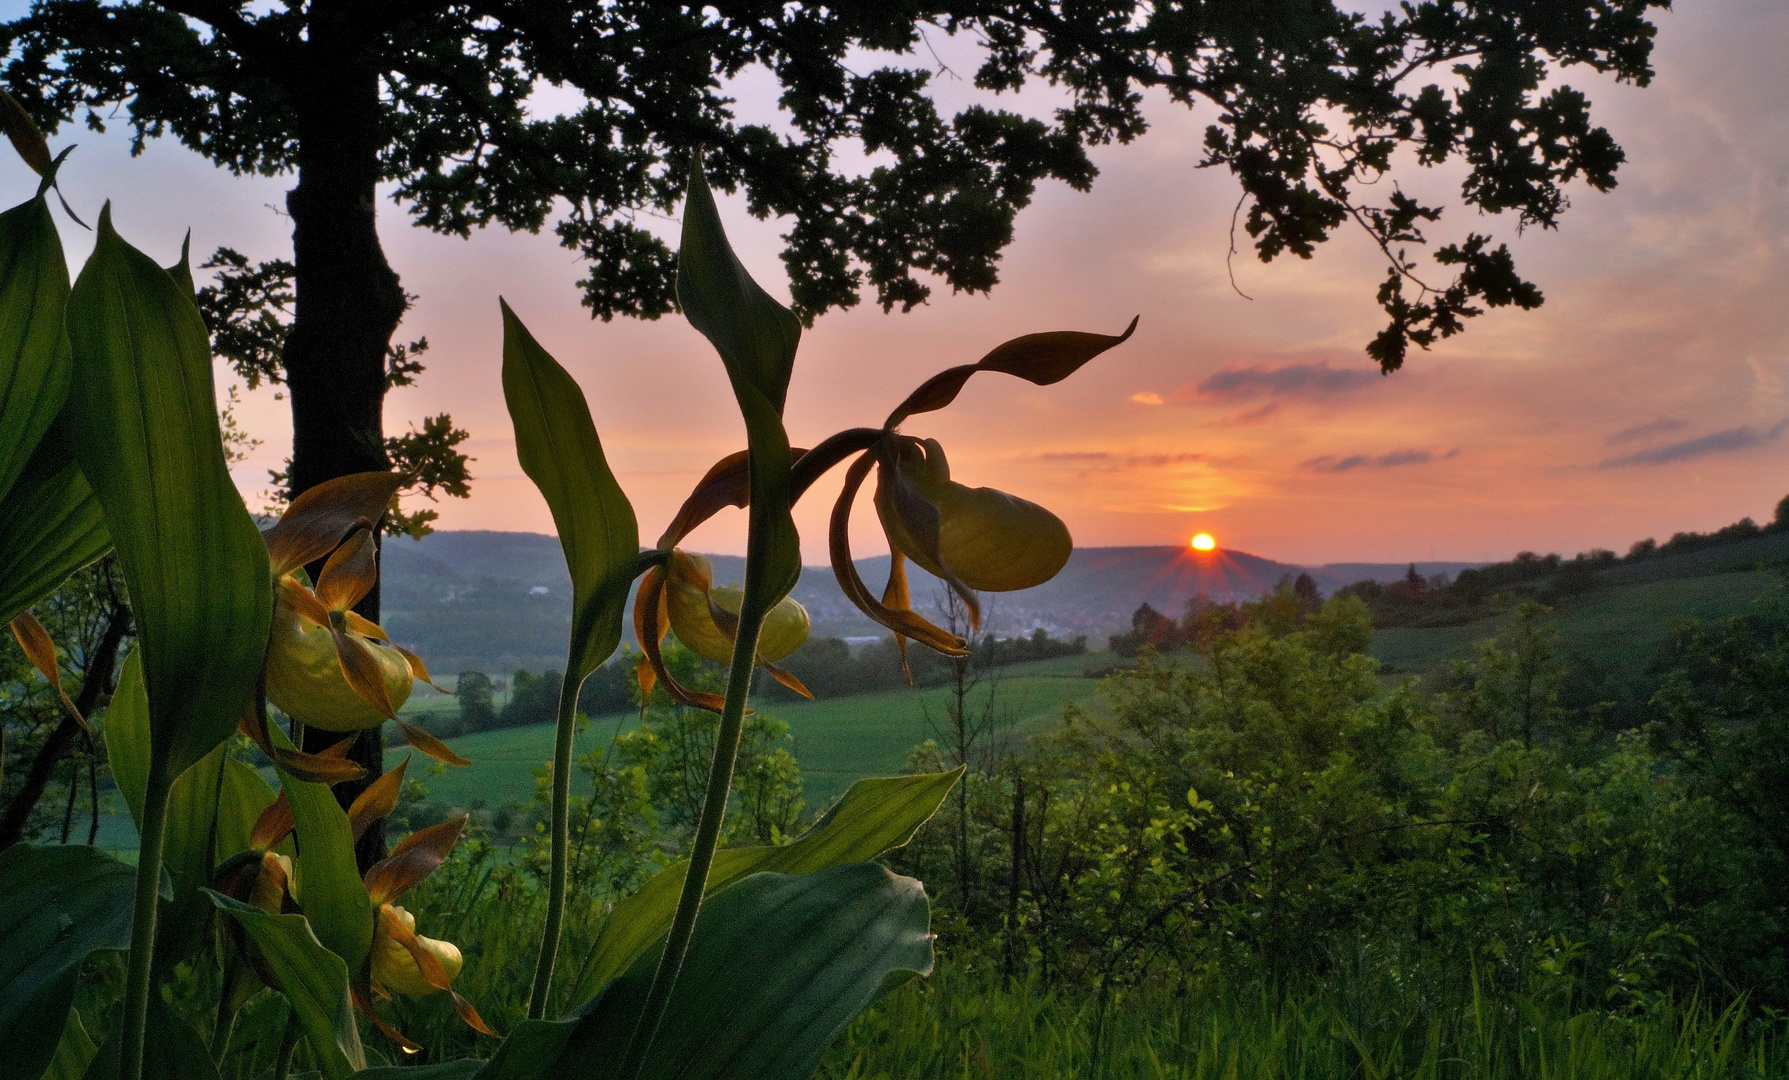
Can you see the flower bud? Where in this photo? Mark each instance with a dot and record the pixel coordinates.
(305, 679)
(688, 591)
(396, 969)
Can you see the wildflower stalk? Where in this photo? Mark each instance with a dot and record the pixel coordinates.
(714, 806)
(560, 828)
(143, 912)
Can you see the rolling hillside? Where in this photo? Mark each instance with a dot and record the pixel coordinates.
(496, 601)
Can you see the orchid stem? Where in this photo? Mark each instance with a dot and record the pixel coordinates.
(708, 829)
(142, 927)
(560, 826)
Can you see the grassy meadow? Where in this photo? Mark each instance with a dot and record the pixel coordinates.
(837, 741)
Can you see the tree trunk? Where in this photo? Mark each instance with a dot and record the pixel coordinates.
(348, 304)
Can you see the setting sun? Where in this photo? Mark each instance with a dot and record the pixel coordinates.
(1204, 542)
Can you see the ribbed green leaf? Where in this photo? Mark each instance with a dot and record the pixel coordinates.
(313, 978)
(57, 906)
(186, 852)
(127, 735)
(777, 966)
(242, 795)
(757, 338)
(328, 882)
(34, 362)
(559, 450)
(875, 816)
(50, 526)
(143, 423)
(74, 1052)
(192, 813)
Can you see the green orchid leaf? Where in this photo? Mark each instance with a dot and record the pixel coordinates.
(771, 577)
(186, 852)
(875, 816)
(50, 526)
(755, 335)
(559, 450)
(58, 905)
(757, 338)
(173, 1051)
(143, 422)
(74, 1051)
(127, 735)
(192, 812)
(313, 978)
(778, 965)
(241, 796)
(328, 882)
(182, 271)
(35, 368)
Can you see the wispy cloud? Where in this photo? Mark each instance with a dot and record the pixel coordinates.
(1105, 461)
(1719, 442)
(1329, 463)
(1646, 431)
(1249, 417)
(1147, 397)
(1241, 382)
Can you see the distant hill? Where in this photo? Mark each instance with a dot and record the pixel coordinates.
(496, 601)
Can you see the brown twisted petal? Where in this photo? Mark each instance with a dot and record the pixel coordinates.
(329, 767)
(273, 824)
(428, 744)
(649, 627)
(303, 602)
(378, 800)
(897, 596)
(418, 669)
(318, 519)
(1041, 359)
(469, 1014)
(727, 483)
(787, 678)
(367, 628)
(412, 860)
(901, 622)
(35, 641)
(359, 997)
(649, 611)
(364, 675)
(350, 573)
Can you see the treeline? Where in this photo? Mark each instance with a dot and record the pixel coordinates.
(827, 666)
(1438, 601)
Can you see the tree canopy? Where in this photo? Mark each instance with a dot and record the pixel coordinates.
(1311, 105)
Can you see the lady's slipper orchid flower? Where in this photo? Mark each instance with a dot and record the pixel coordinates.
(971, 538)
(680, 595)
(986, 539)
(402, 960)
(327, 665)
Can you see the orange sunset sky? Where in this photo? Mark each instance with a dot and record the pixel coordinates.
(1645, 397)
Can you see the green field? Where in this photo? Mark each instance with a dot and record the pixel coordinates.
(836, 742)
(1619, 628)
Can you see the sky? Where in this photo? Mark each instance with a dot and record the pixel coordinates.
(1645, 398)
